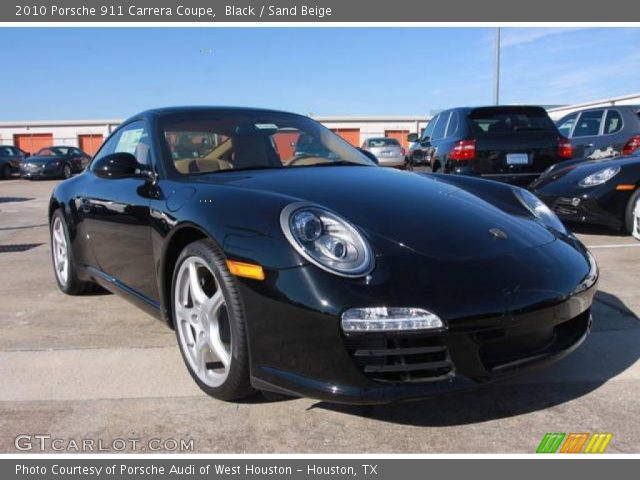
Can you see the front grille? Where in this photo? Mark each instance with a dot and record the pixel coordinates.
(563, 206)
(400, 359)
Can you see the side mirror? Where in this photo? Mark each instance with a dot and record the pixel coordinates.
(117, 165)
(369, 155)
(412, 137)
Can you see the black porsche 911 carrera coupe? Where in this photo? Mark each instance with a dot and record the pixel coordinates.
(601, 192)
(317, 273)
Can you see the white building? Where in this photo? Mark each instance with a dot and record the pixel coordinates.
(89, 134)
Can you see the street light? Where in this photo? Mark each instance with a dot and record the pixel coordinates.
(496, 79)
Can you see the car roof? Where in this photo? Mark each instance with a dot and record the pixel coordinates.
(633, 108)
(185, 110)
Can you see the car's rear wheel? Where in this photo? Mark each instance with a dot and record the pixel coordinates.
(62, 256)
(6, 171)
(66, 171)
(209, 322)
(632, 214)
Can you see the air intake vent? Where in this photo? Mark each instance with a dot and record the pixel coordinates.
(393, 359)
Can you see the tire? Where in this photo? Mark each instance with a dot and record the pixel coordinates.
(209, 321)
(67, 280)
(6, 171)
(630, 218)
(66, 171)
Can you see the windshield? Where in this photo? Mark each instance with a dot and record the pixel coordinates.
(52, 152)
(383, 142)
(254, 140)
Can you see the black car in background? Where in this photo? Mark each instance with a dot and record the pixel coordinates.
(312, 271)
(602, 132)
(603, 192)
(513, 144)
(10, 159)
(54, 162)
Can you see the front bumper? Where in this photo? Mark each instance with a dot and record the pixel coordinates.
(39, 174)
(600, 205)
(297, 345)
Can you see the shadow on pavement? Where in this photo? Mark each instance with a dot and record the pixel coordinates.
(603, 356)
(14, 199)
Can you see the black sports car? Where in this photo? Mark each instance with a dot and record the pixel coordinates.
(54, 162)
(603, 192)
(318, 273)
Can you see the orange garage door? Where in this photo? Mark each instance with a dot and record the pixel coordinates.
(400, 135)
(90, 143)
(32, 142)
(351, 135)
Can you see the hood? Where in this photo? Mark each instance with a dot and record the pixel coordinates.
(571, 172)
(400, 211)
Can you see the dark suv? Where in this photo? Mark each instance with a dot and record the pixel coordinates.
(512, 144)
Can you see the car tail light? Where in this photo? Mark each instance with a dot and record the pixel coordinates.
(403, 152)
(631, 146)
(565, 149)
(463, 150)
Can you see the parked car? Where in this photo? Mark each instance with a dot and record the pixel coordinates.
(602, 132)
(323, 276)
(387, 150)
(603, 192)
(513, 144)
(54, 162)
(10, 158)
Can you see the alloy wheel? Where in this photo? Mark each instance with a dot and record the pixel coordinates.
(66, 171)
(60, 252)
(202, 321)
(636, 219)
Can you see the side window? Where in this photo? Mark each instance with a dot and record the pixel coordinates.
(588, 124)
(453, 125)
(613, 122)
(567, 124)
(132, 139)
(428, 131)
(438, 130)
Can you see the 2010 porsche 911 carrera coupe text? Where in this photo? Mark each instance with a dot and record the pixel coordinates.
(287, 261)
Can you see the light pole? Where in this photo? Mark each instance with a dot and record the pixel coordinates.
(496, 92)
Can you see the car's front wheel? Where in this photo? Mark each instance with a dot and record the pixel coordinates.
(6, 171)
(632, 214)
(66, 171)
(209, 322)
(62, 257)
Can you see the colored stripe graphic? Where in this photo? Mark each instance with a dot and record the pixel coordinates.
(574, 443)
(550, 443)
(598, 443)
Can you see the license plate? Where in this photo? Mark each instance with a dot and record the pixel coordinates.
(386, 153)
(517, 159)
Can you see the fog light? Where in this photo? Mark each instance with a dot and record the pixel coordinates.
(575, 201)
(383, 319)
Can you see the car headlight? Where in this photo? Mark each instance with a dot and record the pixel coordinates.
(326, 240)
(539, 210)
(600, 177)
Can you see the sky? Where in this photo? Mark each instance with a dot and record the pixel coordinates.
(101, 73)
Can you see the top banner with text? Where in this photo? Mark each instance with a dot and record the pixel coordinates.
(316, 11)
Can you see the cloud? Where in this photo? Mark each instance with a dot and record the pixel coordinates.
(511, 37)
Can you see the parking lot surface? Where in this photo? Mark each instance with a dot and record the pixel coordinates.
(95, 367)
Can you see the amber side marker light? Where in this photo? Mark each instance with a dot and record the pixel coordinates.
(624, 187)
(247, 270)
